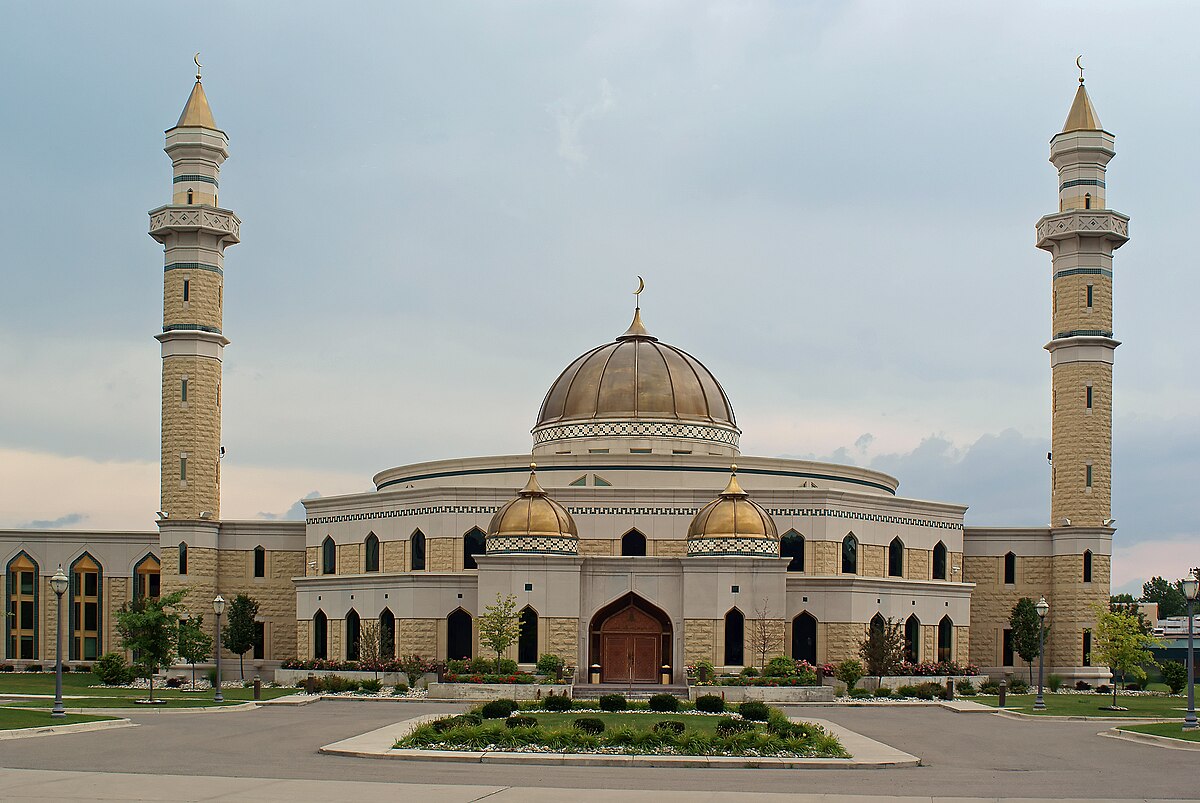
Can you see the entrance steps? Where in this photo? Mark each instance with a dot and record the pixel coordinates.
(636, 691)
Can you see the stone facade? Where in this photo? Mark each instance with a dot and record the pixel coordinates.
(191, 431)
(561, 638)
(418, 636)
(1082, 437)
(700, 641)
(444, 554)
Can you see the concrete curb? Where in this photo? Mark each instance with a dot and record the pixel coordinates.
(868, 753)
(1124, 720)
(54, 730)
(1150, 738)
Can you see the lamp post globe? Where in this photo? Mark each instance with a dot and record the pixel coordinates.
(218, 609)
(58, 584)
(1042, 608)
(1191, 585)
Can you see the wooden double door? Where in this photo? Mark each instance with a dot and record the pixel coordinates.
(631, 644)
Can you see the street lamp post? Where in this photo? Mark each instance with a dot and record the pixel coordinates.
(1043, 608)
(218, 609)
(59, 585)
(1190, 587)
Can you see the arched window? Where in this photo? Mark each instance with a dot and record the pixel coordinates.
(804, 638)
(86, 582)
(147, 576)
(458, 635)
(878, 623)
(182, 558)
(527, 642)
(387, 634)
(850, 554)
(371, 559)
(1087, 566)
(633, 544)
(189, 197)
(1010, 569)
(320, 628)
(23, 593)
(1087, 201)
(353, 635)
(474, 543)
(328, 556)
(945, 645)
(417, 547)
(260, 562)
(735, 632)
(912, 639)
(939, 561)
(896, 558)
(792, 546)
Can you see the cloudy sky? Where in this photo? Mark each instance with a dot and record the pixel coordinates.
(833, 205)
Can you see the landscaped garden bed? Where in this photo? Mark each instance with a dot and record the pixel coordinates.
(1137, 705)
(663, 726)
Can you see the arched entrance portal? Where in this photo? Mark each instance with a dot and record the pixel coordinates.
(631, 640)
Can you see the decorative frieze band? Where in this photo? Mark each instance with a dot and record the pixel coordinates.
(1083, 222)
(196, 218)
(636, 429)
(767, 547)
(532, 544)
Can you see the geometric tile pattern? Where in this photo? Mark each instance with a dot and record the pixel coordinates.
(642, 429)
(733, 546)
(556, 545)
(196, 217)
(1102, 222)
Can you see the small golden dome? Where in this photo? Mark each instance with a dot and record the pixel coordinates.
(732, 524)
(533, 522)
(1082, 116)
(196, 112)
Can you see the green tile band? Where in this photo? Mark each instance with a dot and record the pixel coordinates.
(192, 266)
(192, 177)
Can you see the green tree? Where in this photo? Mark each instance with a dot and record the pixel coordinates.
(148, 627)
(849, 671)
(1174, 675)
(194, 644)
(1024, 621)
(239, 632)
(883, 648)
(1120, 643)
(1169, 597)
(499, 626)
(1122, 599)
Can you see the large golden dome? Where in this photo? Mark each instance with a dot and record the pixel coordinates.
(637, 378)
(732, 524)
(533, 522)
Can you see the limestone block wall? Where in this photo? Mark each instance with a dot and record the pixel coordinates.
(337, 628)
(872, 560)
(275, 594)
(419, 636)
(918, 564)
(594, 547)
(200, 580)
(561, 637)
(827, 557)
(1069, 302)
(395, 556)
(444, 554)
(349, 558)
(312, 561)
(837, 641)
(1081, 437)
(665, 548)
(1073, 608)
(116, 593)
(700, 641)
(304, 647)
(204, 297)
(192, 428)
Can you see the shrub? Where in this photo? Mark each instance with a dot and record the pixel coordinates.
(520, 721)
(443, 725)
(589, 724)
(664, 702)
(989, 686)
(1083, 685)
(400, 689)
(457, 666)
(1018, 686)
(727, 726)
(780, 667)
(849, 672)
(33, 668)
(965, 687)
(481, 666)
(1174, 675)
(672, 726)
(710, 671)
(336, 683)
(749, 672)
(371, 685)
(7, 668)
(210, 676)
(470, 718)
(906, 691)
(66, 668)
(111, 669)
(498, 709)
(883, 691)
(859, 694)
(1054, 682)
(710, 703)
(507, 666)
(549, 663)
(172, 683)
(613, 702)
(557, 703)
(1133, 687)
(754, 709)
(1103, 688)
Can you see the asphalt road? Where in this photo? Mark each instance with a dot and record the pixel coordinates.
(964, 755)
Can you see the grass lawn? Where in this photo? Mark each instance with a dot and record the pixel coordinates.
(566, 719)
(1090, 705)
(76, 684)
(1172, 730)
(11, 720)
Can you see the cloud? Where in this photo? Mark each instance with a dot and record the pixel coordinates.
(293, 513)
(570, 123)
(1171, 557)
(49, 524)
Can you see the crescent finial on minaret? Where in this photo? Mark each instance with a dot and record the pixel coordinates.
(1079, 64)
(196, 58)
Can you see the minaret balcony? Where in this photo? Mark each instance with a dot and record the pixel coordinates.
(1112, 226)
(209, 219)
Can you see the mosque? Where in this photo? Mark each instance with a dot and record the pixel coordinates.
(634, 534)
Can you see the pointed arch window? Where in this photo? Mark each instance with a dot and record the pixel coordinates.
(1010, 569)
(371, 548)
(328, 556)
(792, 546)
(353, 635)
(474, 543)
(633, 544)
(417, 547)
(183, 567)
(260, 561)
(147, 576)
(387, 634)
(458, 635)
(190, 197)
(1087, 566)
(804, 638)
(912, 639)
(735, 638)
(939, 561)
(320, 628)
(21, 620)
(896, 558)
(945, 639)
(86, 588)
(850, 554)
(527, 641)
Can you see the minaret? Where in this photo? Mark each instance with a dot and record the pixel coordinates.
(1081, 239)
(194, 231)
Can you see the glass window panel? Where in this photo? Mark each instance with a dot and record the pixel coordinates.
(26, 647)
(90, 582)
(26, 582)
(27, 615)
(89, 648)
(90, 617)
